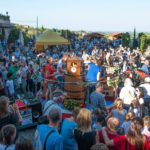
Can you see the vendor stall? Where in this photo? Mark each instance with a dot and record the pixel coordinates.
(50, 38)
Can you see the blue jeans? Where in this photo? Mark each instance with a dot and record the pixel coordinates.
(147, 105)
(90, 89)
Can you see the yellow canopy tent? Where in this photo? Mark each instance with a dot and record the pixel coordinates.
(50, 38)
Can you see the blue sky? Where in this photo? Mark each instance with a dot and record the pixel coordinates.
(89, 15)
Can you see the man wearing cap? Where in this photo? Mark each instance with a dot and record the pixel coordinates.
(58, 97)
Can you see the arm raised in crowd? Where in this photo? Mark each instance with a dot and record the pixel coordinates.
(108, 142)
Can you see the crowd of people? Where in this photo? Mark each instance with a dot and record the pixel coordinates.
(25, 72)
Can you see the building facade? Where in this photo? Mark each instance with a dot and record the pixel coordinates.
(5, 27)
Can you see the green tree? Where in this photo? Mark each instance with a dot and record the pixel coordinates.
(14, 35)
(126, 39)
(148, 41)
(63, 33)
(139, 37)
(42, 28)
(143, 43)
(26, 37)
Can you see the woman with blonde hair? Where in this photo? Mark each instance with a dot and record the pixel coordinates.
(118, 111)
(146, 128)
(84, 135)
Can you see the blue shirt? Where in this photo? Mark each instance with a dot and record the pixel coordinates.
(10, 147)
(145, 69)
(92, 72)
(126, 126)
(120, 115)
(98, 100)
(54, 141)
(67, 132)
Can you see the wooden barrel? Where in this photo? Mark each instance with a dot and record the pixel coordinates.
(76, 95)
(74, 91)
(70, 78)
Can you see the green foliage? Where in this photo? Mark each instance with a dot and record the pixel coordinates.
(148, 41)
(139, 37)
(70, 104)
(4, 17)
(143, 43)
(14, 35)
(126, 39)
(43, 29)
(26, 38)
(114, 82)
(63, 33)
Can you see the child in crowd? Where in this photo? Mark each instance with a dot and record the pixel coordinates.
(126, 124)
(118, 111)
(146, 129)
(95, 113)
(8, 135)
(10, 86)
(99, 122)
(135, 108)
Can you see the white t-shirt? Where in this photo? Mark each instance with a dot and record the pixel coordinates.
(127, 94)
(59, 67)
(84, 57)
(146, 87)
(10, 85)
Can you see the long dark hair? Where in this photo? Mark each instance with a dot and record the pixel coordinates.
(141, 90)
(8, 134)
(134, 135)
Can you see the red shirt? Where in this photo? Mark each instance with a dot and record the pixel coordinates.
(110, 135)
(120, 143)
(50, 71)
